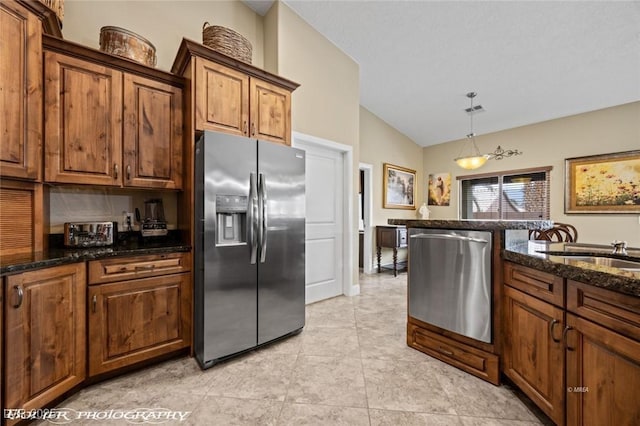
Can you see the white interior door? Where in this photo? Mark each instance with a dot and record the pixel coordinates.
(324, 222)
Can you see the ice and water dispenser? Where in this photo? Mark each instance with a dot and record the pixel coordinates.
(231, 220)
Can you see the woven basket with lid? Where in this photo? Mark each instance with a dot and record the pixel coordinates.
(227, 42)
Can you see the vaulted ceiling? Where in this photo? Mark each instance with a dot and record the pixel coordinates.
(529, 61)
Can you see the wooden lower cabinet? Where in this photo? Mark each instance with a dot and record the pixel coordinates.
(136, 320)
(533, 351)
(45, 335)
(603, 375)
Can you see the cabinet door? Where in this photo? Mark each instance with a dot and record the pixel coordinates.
(533, 355)
(270, 112)
(222, 99)
(20, 92)
(152, 134)
(83, 121)
(132, 321)
(45, 318)
(603, 375)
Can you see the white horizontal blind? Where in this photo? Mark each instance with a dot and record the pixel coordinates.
(511, 195)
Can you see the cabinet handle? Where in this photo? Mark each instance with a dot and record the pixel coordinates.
(444, 351)
(20, 292)
(145, 268)
(115, 171)
(94, 303)
(564, 337)
(551, 327)
(128, 172)
(244, 127)
(253, 129)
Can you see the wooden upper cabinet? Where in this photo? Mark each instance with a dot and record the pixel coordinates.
(110, 121)
(20, 92)
(222, 98)
(83, 121)
(152, 134)
(45, 340)
(234, 97)
(270, 112)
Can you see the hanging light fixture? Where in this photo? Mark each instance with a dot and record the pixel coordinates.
(475, 160)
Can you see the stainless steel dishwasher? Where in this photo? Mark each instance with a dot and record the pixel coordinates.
(450, 280)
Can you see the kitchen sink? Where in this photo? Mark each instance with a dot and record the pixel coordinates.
(626, 265)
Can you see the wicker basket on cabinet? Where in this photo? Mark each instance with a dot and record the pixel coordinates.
(227, 42)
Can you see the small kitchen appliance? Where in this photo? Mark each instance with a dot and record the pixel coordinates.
(154, 224)
(88, 234)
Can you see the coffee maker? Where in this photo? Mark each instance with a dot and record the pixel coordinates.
(154, 223)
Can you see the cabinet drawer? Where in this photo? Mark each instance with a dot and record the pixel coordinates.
(471, 360)
(539, 284)
(127, 268)
(616, 311)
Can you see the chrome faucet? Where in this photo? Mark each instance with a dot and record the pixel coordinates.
(619, 247)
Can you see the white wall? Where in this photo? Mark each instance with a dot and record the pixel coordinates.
(548, 143)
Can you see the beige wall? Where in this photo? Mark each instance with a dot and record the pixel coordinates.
(380, 143)
(548, 144)
(326, 104)
(163, 23)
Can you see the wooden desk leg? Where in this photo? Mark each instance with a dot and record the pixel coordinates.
(379, 258)
(395, 262)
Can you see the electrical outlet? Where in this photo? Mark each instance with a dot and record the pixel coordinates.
(128, 221)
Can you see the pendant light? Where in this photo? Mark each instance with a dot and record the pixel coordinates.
(474, 159)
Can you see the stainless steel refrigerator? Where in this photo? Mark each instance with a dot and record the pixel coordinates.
(249, 244)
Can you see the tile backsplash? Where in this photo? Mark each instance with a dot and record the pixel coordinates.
(75, 204)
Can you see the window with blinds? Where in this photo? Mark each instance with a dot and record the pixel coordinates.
(511, 195)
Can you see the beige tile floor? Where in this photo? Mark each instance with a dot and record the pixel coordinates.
(349, 366)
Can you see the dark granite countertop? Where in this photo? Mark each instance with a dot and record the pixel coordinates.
(489, 225)
(620, 280)
(127, 245)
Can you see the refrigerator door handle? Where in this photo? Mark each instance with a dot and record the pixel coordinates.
(253, 218)
(262, 194)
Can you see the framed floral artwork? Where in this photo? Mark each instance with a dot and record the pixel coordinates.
(607, 183)
(399, 187)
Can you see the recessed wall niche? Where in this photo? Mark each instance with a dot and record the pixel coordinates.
(78, 204)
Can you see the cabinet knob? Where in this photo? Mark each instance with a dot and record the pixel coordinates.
(244, 127)
(253, 129)
(20, 294)
(129, 172)
(115, 171)
(94, 303)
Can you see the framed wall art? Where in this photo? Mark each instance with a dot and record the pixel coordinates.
(439, 189)
(607, 183)
(399, 187)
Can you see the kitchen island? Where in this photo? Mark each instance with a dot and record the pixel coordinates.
(566, 323)
(455, 283)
